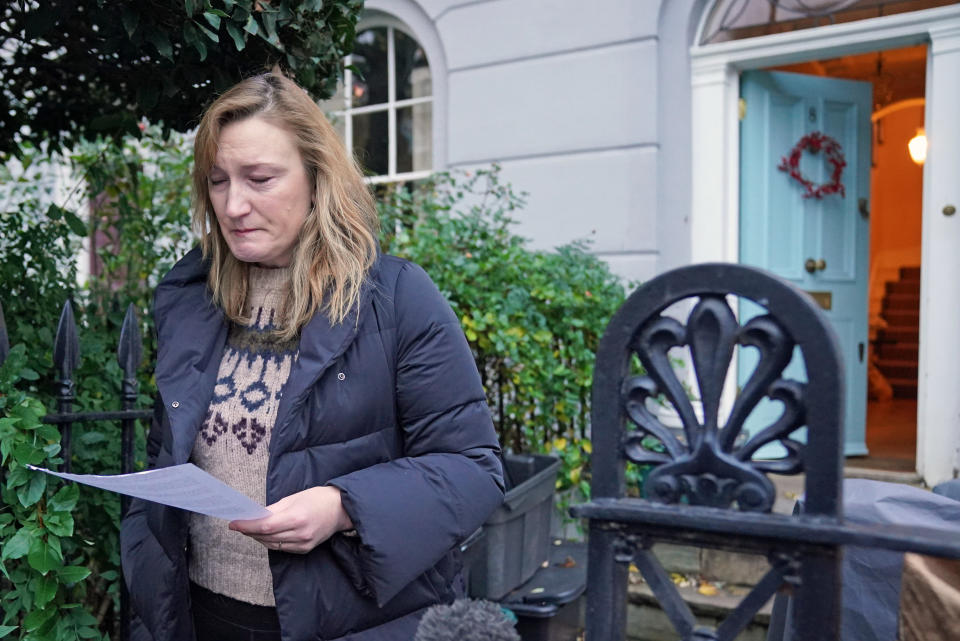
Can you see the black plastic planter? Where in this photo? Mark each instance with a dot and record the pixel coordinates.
(515, 540)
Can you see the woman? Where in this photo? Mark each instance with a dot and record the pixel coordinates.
(327, 381)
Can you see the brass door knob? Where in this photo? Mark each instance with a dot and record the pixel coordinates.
(812, 265)
(821, 264)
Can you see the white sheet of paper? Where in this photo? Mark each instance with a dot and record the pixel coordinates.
(184, 486)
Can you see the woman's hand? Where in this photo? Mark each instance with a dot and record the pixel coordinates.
(300, 522)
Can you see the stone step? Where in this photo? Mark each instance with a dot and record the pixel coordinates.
(896, 335)
(903, 387)
(852, 471)
(906, 351)
(902, 318)
(903, 287)
(910, 273)
(905, 302)
(898, 369)
(647, 622)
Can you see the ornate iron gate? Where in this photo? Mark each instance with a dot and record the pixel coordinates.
(705, 488)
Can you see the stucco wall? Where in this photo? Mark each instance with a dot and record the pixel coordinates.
(565, 96)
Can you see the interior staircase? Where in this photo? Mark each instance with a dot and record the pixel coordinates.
(897, 345)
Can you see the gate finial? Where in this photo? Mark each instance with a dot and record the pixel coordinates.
(66, 348)
(4, 338)
(130, 349)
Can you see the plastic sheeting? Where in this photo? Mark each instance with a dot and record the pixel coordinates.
(871, 577)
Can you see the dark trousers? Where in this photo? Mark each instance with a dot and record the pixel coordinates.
(220, 618)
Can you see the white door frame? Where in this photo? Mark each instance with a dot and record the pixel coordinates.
(715, 207)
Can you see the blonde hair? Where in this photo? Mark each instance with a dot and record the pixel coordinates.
(338, 241)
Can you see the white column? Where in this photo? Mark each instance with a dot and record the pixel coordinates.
(714, 211)
(938, 420)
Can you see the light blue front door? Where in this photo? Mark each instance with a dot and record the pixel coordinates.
(820, 245)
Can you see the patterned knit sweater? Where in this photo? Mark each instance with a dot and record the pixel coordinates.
(234, 440)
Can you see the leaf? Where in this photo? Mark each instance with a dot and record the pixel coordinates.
(237, 36)
(28, 374)
(45, 555)
(38, 617)
(18, 545)
(130, 19)
(27, 454)
(32, 492)
(45, 590)
(6, 629)
(65, 499)
(210, 34)
(48, 433)
(192, 37)
(54, 212)
(76, 225)
(59, 523)
(75, 573)
(270, 23)
(160, 40)
(251, 27)
(212, 18)
(19, 476)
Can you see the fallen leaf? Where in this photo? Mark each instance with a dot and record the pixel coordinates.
(568, 562)
(707, 589)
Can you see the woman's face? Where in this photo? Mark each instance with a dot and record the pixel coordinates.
(260, 191)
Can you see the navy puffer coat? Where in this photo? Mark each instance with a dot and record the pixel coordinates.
(387, 406)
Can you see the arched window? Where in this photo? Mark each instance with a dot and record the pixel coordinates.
(384, 107)
(738, 19)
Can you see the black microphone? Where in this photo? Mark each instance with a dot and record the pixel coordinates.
(466, 620)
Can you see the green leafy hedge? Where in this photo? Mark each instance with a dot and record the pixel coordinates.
(141, 192)
(43, 571)
(533, 318)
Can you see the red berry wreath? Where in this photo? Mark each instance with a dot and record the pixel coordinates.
(833, 153)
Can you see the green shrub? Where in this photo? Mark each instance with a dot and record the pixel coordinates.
(44, 575)
(533, 318)
(141, 191)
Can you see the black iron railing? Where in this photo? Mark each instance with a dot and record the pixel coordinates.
(66, 359)
(705, 487)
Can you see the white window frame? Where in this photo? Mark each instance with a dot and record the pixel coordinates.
(391, 106)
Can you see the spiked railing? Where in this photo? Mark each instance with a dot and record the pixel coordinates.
(66, 359)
